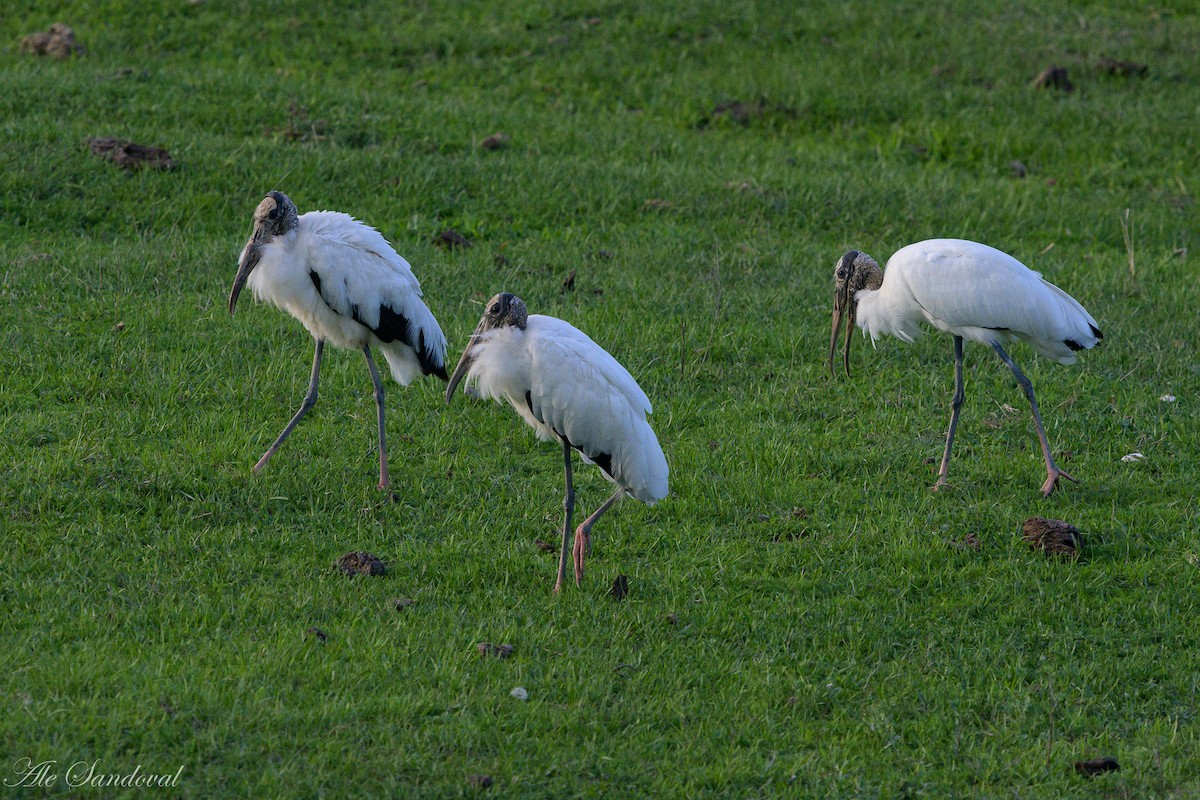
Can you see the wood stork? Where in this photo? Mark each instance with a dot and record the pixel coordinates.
(347, 285)
(568, 389)
(969, 290)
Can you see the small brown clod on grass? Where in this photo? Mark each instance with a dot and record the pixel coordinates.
(568, 284)
(1097, 766)
(129, 155)
(738, 111)
(479, 781)
(486, 649)
(1123, 69)
(360, 563)
(1054, 77)
(544, 546)
(620, 587)
(401, 603)
(451, 240)
(672, 619)
(1019, 170)
(968, 542)
(657, 204)
(1052, 536)
(58, 42)
(317, 634)
(496, 141)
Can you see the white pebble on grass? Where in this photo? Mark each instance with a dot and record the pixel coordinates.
(520, 693)
(1167, 398)
(1133, 457)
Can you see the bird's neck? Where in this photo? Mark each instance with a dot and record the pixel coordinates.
(870, 277)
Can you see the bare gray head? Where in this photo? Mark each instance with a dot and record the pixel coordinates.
(855, 270)
(275, 216)
(503, 310)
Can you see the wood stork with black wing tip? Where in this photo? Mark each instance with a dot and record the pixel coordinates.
(347, 285)
(971, 291)
(568, 389)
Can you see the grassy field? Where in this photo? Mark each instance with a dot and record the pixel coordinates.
(803, 619)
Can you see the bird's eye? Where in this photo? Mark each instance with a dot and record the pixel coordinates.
(273, 213)
(495, 309)
(843, 273)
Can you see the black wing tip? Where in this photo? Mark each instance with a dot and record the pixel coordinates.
(1076, 346)
(438, 370)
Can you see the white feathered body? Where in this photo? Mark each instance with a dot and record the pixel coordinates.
(977, 292)
(345, 283)
(563, 383)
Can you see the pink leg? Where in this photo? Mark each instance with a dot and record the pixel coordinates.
(1053, 473)
(583, 535)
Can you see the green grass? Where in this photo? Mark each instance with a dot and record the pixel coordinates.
(156, 594)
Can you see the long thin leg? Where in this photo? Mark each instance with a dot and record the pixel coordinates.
(310, 400)
(1053, 473)
(956, 404)
(568, 508)
(383, 470)
(583, 535)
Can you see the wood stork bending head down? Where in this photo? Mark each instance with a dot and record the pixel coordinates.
(571, 390)
(347, 286)
(973, 292)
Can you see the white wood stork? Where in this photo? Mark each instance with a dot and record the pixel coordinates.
(969, 290)
(347, 285)
(568, 389)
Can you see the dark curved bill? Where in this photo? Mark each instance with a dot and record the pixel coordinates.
(246, 264)
(842, 307)
(464, 363)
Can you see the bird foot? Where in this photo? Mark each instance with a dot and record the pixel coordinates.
(583, 544)
(941, 484)
(1051, 483)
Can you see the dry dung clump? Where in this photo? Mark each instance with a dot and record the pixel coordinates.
(1053, 77)
(498, 650)
(1052, 536)
(130, 156)
(58, 42)
(1097, 766)
(497, 141)
(1123, 69)
(620, 587)
(451, 240)
(360, 563)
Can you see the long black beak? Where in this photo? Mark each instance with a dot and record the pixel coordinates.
(246, 264)
(842, 306)
(464, 363)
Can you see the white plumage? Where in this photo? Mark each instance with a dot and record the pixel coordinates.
(568, 389)
(972, 292)
(977, 292)
(348, 287)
